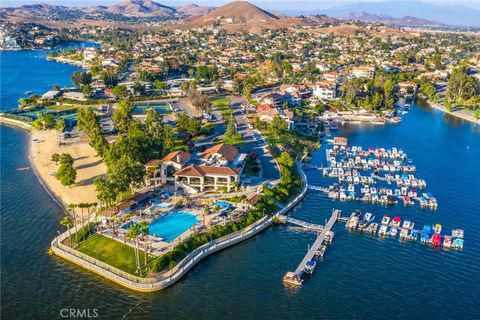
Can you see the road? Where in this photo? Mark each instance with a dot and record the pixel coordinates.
(269, 166)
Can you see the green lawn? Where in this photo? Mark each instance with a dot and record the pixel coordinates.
(113, 252)
(223, 106)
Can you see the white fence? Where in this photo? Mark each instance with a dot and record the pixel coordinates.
(175, 274)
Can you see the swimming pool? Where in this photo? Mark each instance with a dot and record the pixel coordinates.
(171, 225)
(223, 205)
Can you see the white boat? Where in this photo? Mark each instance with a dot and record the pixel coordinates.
(437, 228)
(393, 232)
(292, 278)
(310, 266)
(383, 231)
(385, 220)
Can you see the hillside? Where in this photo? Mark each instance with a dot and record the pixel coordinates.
(404, 21)
(193, 9)
(234, 12)
(141, 8)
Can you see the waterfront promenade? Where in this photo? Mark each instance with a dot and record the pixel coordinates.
(161, 281)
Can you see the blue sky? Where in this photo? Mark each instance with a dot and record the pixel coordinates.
(270, 4)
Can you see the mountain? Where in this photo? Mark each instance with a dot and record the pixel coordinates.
(452, 14)
(404, 21)
(193, 9)
(235, 12)
(141, 8)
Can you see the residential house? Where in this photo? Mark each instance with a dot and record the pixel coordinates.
(325, 90)
(274, 99)
(407, 87)
(363, 72)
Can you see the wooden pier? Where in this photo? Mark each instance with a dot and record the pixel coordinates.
(318, 242)
(318, 188)
(306, 225)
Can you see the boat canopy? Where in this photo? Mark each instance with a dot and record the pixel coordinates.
(396, 219)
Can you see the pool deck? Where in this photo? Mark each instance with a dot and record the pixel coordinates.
(157, 245)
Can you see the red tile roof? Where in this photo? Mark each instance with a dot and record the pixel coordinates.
(225, 150)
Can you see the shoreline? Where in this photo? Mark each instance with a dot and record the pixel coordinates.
(86, 162)
(42, 182)
(458, 113)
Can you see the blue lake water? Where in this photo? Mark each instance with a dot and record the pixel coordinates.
(361, 277)
(28, 70)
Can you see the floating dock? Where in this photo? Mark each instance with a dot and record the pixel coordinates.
(313, 249)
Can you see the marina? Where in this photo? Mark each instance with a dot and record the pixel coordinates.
(368, 175)
(365, 223)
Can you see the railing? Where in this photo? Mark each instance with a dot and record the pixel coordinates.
(170, 277)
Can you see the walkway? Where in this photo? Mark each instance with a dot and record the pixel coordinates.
(318, 242)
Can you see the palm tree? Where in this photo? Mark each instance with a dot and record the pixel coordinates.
(144, 229)
(72, 207)
(133, 233)
(67, 223)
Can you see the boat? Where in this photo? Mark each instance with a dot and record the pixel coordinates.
(393, 232)
(385, 220)
(457, 243)
(396, 221)
(407, 224)
(425, 237)
(404, 234)
(447, 241)
(22, 168)
(413, 235)
(28, 92)
(368, 217)
(436, 240)
(437, 228)
(457, 233)
(321, 251)
(362, 225)
(310, 266)
(329, 236)
(292, 278)
(383, 231)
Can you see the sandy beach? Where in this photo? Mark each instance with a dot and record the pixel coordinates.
(463, 114)
(87, 164)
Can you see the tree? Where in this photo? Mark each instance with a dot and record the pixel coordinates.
(138, 88)
(199, 101)
(168, 140)
(122, 116)
(81, 78)
(56, 87)
(427, 89)
(87, 91)
(154, 126)
(144, 229)
(106, 191)
(388, 87)
(55, 158)
(278, 125)
(188, 124)
(476, 114)
(184, 86)
(133, 233)
(110, 79)
(159, 85)
(66, 174)
(351, 88)
(120, 91)
(191, 72)
(66, 222)
(461, 86)
(45, 121)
